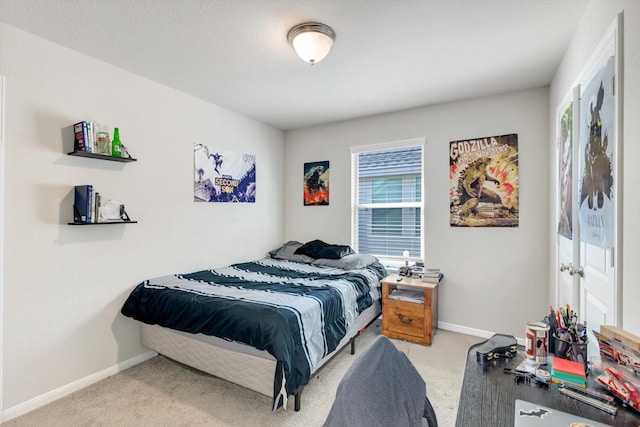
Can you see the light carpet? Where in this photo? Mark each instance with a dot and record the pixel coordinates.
(161, 392)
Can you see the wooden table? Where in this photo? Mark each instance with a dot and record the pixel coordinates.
(488, 396)
(411, 321)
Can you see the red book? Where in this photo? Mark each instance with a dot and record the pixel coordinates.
(568, 367)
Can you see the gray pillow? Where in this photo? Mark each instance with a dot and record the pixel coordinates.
(347, 262)
(287, 252)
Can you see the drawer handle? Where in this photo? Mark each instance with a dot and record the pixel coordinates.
(405, 320)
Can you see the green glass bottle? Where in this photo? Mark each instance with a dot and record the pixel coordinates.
(115, 144)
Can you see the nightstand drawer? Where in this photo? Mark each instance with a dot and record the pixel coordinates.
(405, 318)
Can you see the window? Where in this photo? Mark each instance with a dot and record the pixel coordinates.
(387, 202)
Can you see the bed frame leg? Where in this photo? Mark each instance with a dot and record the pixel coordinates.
(297, 399)
(296, 395)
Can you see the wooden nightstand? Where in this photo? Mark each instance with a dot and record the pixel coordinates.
(407, 320)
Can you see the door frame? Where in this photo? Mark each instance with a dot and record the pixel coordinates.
(2, 197)
(571, 98)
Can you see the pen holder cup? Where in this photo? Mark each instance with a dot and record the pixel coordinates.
(571, 350)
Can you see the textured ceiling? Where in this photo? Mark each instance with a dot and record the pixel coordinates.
(389, 54)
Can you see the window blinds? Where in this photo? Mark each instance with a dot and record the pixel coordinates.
(387, 201)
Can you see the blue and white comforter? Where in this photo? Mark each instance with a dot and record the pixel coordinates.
(297, 312)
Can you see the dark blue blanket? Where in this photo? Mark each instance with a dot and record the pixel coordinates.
(297, 312)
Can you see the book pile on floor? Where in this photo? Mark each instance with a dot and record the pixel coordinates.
(567, 371)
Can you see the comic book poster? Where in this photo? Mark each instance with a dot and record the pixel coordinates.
(597, 143)
(223, 176)
(484, 182)
(565, 173)
(316, 183)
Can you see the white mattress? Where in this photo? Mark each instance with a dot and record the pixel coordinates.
(250, 371)
(236, 362)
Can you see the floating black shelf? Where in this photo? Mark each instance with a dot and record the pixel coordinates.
(102, 223)
(102, 156)
(125, 219)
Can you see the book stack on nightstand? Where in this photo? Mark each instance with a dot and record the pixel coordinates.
(432, 275)
(409, 308)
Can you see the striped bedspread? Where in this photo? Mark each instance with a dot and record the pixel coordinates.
(297, 312)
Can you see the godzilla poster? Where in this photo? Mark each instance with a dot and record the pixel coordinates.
(316, 183)
(223, 176)
(597, 143)
(484, 182)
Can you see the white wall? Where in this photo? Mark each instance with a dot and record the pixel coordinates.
(64, 285)
(598, 17)
(494, 277)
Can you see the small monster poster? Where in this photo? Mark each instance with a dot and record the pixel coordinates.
(316, 183)
(484, 182)
(597, 143)
(223, 176)
(565, 173)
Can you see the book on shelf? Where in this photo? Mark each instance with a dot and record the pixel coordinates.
(91, 137)
(80, 136)
(82, 203)
(90, 217)
(87, 204)
(410, 295)
(97, 206)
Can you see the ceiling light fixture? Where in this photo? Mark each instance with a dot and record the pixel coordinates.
(312, 41)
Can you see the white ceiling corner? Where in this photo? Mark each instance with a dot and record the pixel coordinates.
(389, 55)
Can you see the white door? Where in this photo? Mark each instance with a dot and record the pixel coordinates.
(586, 270)
(597, 287)
(585, 277)
(567, 290)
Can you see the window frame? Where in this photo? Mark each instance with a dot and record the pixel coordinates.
(391, 261)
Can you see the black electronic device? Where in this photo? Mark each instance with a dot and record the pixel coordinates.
(498, 346)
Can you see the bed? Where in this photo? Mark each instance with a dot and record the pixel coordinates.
(267, 325)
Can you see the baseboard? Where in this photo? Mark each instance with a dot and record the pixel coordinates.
(471, 331)
(67, 389)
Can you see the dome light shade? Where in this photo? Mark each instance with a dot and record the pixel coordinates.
(312, 41)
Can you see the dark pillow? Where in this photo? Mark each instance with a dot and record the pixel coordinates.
(287, 252)
(320, 249)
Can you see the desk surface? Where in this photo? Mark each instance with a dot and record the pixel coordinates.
(488, 397)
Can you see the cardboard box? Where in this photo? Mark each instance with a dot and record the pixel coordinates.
(626, 338)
